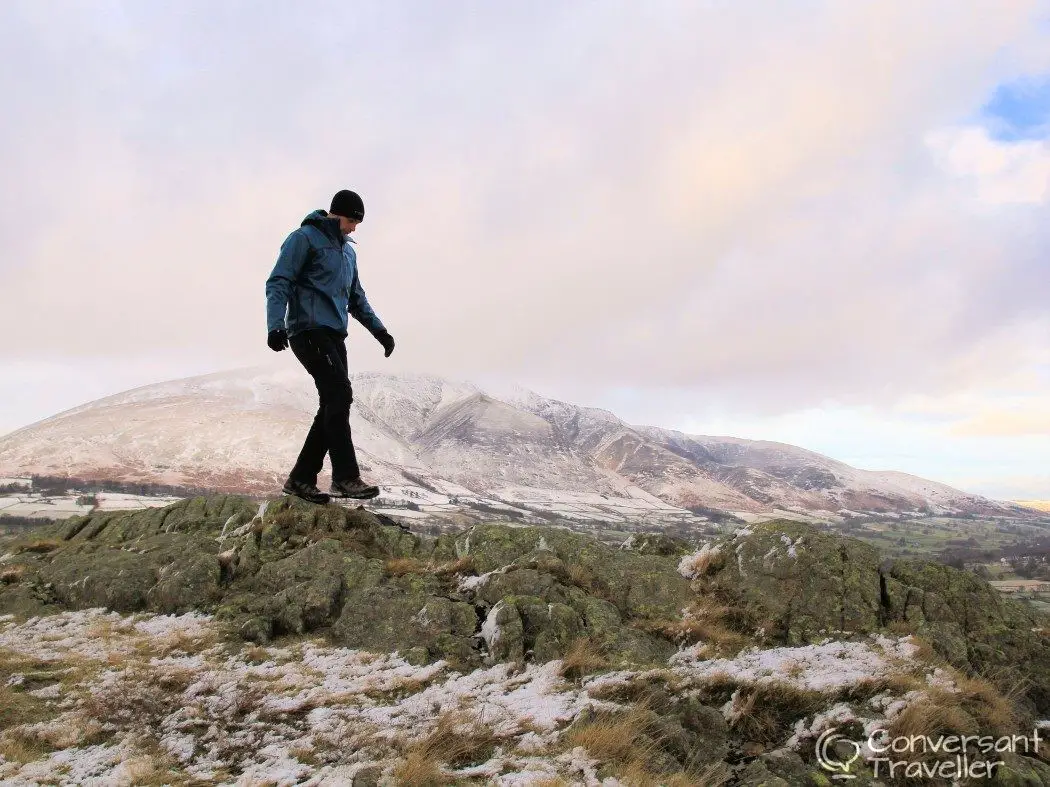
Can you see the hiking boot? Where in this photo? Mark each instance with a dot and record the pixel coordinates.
(355, 488)
(305, 491)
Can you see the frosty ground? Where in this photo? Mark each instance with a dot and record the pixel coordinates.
(152, 698)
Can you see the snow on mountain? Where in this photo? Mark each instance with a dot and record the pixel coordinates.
(241, 431)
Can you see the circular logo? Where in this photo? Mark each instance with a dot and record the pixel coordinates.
(829, 746)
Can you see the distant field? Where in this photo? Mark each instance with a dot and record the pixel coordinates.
(1038, 505)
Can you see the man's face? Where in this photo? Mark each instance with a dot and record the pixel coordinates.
(346, 226)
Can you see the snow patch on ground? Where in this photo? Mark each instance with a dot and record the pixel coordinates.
(692, 566)
(825, 667)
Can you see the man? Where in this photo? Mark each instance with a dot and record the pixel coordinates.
(316, 281)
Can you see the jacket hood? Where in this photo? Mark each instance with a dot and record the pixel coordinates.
(324, 222)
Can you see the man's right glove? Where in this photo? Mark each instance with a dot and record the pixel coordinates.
(385, 339)
(277, 340)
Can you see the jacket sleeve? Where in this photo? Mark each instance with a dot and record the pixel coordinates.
(360, 309)
(279, 286)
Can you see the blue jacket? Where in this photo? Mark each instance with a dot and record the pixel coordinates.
(315, 280)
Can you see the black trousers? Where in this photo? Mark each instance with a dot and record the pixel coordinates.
(323, 353)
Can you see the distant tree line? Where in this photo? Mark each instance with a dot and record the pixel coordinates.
(717, 516)
(22, 522)
(61, 485)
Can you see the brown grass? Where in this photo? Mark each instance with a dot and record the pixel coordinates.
(637, 689)
(585, 579)
(895, 683)
(416, 770)
(631, 742)
(9, 575)
(456, 740)
(286, 519)
(925, 652)
(637, 774)
(256, 654)
(581, 576)
(14, 749)
(19, 708)
(40, 545)
(622, 738)
(995, 711)
(765, 712)
(464, 565)
(584, 656)
(977, 707)
(400, 566)
(721, 641)
(707, 562)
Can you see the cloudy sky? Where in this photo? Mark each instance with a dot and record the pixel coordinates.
(824, 223)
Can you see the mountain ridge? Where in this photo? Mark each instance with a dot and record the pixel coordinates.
(239, 431)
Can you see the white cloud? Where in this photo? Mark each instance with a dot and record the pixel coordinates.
(1003, 173)
(763, 210)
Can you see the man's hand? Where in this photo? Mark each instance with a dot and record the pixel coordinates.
(387, 341)
(277, 340)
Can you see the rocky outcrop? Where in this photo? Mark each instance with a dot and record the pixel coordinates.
(287, 567)
(790, 583)
(503, 593)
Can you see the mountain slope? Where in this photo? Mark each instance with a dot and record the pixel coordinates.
(241, 430)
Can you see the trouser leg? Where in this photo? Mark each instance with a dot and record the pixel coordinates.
(324, 357)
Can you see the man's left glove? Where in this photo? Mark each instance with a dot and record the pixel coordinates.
(387, 341)
(277, 340)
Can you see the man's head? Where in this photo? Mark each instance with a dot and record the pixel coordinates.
(349, 208)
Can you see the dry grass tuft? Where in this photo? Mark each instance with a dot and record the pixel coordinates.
(400, 566)
(457, 740)
(896, 683)
(586, 580)
(581, 576)
(15, 749)
(286, 519)
(638, 774)
(256, 654)
(925, 652)
(19, 708)
(40, 546)
(704, 562)
(417, 769)
(464, 565)
(976, 707)
(721, 641)
(997, 712)
(79, 732)
(585, 655)
(637, 689)
(9, 575)
(765, 712)
(624, 738)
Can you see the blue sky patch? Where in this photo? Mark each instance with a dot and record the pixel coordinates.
(1019, 109)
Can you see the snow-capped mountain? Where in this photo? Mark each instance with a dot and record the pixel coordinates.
(241, 431)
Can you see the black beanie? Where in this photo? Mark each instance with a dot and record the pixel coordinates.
(347, 203)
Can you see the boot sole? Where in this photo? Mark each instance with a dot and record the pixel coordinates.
(363, 496)
(322, 500)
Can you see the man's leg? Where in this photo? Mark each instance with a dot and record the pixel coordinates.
(311, 458)
(324, 357)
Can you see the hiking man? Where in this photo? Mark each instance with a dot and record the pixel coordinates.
(316, 281)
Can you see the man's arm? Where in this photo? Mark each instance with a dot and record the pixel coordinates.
(361, 310)
(279, 286)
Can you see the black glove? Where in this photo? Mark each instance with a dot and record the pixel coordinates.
(387, 341)
(277, 340)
